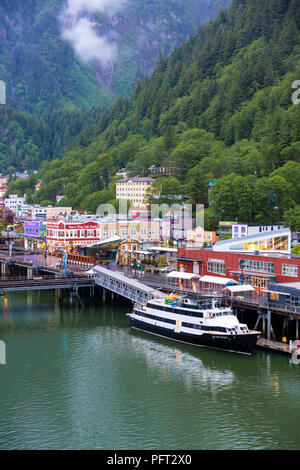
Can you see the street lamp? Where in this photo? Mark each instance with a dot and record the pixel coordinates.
(8, 229)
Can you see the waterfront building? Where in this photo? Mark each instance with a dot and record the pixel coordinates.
(68, 234)
(285, 296)
(244, 230)
(34, 234)
(278, 241)
(133, 189)
(147, 231)
(73, 232)
(254, 267)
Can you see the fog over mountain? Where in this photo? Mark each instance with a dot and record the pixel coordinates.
(80, 29)
(74, 53)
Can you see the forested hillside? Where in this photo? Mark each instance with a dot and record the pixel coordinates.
(218, 108)
(77, 53)
(26, 140)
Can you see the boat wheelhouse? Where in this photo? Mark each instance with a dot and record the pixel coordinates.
(199, 322)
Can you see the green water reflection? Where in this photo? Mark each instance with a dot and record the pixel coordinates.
(82, 379)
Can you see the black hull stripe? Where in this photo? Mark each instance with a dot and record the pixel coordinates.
(242, 344)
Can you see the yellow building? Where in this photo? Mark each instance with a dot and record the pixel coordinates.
(133, 189)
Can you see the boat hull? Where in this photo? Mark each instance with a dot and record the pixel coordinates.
(239, 343)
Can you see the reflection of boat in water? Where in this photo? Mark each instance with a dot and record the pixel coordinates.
(198, 322)
(173, 363)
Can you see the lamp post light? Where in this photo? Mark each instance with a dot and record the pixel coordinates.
(8, 229)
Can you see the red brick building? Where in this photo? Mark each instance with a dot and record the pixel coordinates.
(250, 268)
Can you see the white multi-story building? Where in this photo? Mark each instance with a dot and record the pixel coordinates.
(244, 230)
(13, 201)
(37, 212)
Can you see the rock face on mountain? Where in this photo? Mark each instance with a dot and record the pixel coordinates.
(68, 53)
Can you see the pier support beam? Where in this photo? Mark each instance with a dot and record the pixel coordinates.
(267, 329)
(269, 324)
(3, 269)
(29, 273)
(74, 293)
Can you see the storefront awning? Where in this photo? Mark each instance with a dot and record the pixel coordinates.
(182, 275)
(163, 249)
(223, 281)
(239, 288)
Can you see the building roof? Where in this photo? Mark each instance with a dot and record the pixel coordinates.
(284, 289)
(256, 236)
(223, 281)
(237, 244)
(163, 248)
(239, 288)
(183, 275)
(136, 179)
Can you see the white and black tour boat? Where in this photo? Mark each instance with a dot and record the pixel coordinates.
(199, 322)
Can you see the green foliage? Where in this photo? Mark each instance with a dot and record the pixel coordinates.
(218, 108)
(291, 218)
(165, 191)
(27, 140)
(296, 250)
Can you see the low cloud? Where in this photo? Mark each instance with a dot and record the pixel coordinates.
(79, 29)
(109, 7)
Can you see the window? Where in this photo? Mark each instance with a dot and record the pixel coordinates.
(218, 268)
(271, 268)
(281, 243)
(263, 266)
(290, 270)
(256, 266)
(295, 301)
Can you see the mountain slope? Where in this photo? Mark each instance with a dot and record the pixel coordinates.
(220, 104)
(53, 55)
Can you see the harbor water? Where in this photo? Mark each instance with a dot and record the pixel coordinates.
(82, 379)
